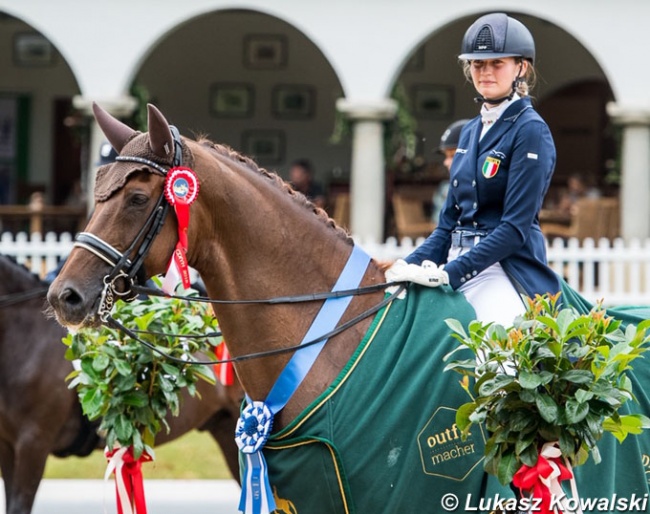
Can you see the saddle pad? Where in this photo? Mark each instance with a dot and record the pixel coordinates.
(382, 437)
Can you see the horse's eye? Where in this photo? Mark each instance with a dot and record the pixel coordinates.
(138, 199)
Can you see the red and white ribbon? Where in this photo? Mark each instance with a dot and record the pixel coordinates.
(543, 480)
(181, 189)
(129, 482)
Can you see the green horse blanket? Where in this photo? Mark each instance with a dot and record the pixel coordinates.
(383, 439)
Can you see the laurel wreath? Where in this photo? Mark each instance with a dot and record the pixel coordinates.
(128, 386)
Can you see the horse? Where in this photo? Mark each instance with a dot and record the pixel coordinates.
(40, 415)
(372, 422)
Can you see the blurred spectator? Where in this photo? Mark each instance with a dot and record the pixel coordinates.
(448, 145)
(302, 180)
(576, 189)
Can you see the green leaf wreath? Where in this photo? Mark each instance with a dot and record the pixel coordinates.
(127, 385)
(555, 375)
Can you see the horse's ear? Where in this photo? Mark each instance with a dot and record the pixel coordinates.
(115, 131)
(161, 140)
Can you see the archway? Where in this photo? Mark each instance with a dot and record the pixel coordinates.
(254, 82)
(40, 143)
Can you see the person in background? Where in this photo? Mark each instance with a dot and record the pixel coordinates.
(301, 178)
(448, 145)
(488, 237)
(576, 189)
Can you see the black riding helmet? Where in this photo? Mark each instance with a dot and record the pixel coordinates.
(497, 35)
(451, 135)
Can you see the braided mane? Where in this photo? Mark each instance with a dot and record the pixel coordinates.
(277, 181)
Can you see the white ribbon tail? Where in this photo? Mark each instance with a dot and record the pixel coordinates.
(115, 465)
(551, 451)
(172, 277)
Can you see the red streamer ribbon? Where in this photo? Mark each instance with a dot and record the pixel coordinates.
(129, 482)
(181, 189)
(540, 479)
(225, 371)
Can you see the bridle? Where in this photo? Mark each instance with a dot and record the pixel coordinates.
(132, 271)
(124, 268)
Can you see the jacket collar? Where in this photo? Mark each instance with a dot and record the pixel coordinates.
(505, 122)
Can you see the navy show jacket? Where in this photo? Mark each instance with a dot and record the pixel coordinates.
(497, 186)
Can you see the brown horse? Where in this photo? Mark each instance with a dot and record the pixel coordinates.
(39, 415)
(251, 236)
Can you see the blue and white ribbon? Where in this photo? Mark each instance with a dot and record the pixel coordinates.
(256, 420)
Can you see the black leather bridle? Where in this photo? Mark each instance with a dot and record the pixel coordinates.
(126, 269)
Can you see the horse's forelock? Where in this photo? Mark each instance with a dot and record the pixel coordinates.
(112, 177)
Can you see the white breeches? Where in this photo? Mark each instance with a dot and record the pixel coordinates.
(491, 293)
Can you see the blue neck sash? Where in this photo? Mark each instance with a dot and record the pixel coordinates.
(256, 421)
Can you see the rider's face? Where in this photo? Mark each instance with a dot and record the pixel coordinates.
(493, 78)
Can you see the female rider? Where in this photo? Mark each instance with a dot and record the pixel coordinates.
(488, 236)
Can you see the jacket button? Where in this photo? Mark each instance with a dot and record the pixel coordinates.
(474, 273)
(473, 183)
(475, 205)
(475, 223)
(457, 207)
(468, 276)
(455, 183)
(463, 280)
(458, 223)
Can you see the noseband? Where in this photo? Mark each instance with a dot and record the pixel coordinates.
(124, 267)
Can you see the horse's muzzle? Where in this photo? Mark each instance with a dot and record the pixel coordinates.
(72, 306)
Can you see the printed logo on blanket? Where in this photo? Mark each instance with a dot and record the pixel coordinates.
(442, 450)
(490, 167)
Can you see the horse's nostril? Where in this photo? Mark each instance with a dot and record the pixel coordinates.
(70, 297)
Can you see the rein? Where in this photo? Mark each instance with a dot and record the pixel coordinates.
(113, 323)
(23, 296)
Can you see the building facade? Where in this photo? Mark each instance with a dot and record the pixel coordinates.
(277, 80)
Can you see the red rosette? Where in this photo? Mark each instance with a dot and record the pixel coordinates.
(181, 186)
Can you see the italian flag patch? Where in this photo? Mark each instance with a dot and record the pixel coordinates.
(490, 167)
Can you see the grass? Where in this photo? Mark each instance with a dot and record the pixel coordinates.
(194, 456)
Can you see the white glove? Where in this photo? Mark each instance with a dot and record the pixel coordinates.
(429, 274)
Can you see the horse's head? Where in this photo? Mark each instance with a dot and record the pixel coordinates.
(125, 238)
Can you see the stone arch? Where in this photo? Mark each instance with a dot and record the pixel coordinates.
(568, 74)
(253, 81)
(42, 145)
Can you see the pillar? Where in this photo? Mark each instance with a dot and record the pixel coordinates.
(368, 175)
(635, 168)
(120, 107)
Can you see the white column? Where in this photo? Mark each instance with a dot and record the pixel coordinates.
(368, 175)
(120, 107)
(635, 168)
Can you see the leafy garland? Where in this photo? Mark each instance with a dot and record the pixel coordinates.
(127, 385)
(555, 376)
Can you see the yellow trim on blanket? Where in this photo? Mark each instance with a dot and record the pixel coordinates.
(334, 460)
(291, 430)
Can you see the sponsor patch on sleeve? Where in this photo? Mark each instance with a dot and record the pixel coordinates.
(532, 155)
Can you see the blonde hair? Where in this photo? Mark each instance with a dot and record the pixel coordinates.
(525, 83)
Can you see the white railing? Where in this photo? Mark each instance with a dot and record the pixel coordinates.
(618, 272)
(39, 254)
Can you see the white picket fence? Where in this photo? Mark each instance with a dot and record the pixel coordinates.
(617, 272)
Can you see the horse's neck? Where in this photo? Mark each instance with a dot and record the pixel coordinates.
(14, 278)
(261, 244)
